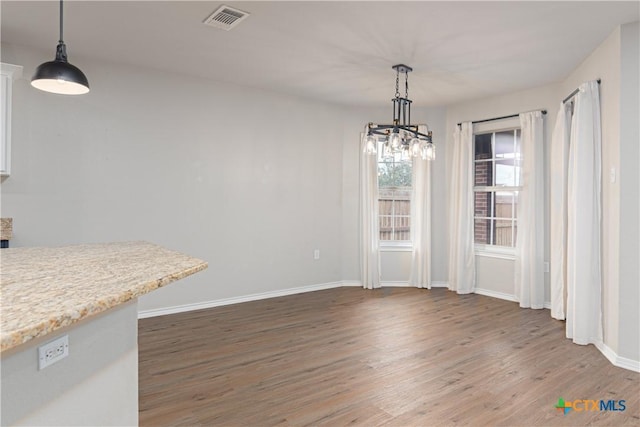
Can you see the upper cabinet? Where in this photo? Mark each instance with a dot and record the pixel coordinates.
(8, 73)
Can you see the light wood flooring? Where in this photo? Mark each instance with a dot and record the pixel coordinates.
(389, 357)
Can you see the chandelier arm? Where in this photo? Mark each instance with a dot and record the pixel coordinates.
(382, 129)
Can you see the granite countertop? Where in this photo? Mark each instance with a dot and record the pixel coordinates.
(45, 289)
(6, 228)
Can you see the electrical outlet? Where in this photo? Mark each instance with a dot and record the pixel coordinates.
(546, 267)
(53, 351)
(316, 254)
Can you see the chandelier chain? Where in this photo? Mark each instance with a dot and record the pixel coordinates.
(406, 84)
(397, 83)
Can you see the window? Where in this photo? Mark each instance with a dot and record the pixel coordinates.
(496, 183)
(394, 196)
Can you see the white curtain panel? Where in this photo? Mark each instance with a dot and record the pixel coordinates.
(584, 312)
(462, 268)
(558, 206)
(529, 262)
(420, 275)
(369, 231)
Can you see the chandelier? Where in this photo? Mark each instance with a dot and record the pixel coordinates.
(401, 136)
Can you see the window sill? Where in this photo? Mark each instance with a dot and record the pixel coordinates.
(495, 252)
(396, 247)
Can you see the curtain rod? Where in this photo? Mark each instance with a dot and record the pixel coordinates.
(500, 118)
(572, 94)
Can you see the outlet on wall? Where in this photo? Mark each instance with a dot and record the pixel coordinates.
(53, 351)
(316, 254)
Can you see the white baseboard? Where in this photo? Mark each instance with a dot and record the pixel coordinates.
(351, 283)
(495, 294)
(279, 293)
(504, 296)
(405, 284)
(620, 362)
(235, 300)
(143, 314)
(395, 284)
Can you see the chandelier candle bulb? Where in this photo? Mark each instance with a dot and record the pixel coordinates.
(415, 147)
(394, 140)
(429, 151)
(370, 144)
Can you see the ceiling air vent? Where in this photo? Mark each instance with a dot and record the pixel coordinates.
(225, 17)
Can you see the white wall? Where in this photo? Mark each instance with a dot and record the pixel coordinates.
(629, 252)
(248, 180)
(97, 384)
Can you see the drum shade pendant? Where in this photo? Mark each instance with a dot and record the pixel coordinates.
(58, 76)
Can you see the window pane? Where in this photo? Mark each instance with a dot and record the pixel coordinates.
(386, 227)
(394, 206)
(483, 173)
(402, 174)
(506, 173)
(505, 204)
(482, 203)
(402, 203)
(503, 233)
(505, 148)
(483, 146)
(394, 174)
(482, 228)
(402, 228)
(385, 205)
(384, 169)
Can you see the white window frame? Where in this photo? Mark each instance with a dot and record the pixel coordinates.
(495, 251)
(393, 245)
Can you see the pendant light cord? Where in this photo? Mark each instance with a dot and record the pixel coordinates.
(61, 22)
(61, 50)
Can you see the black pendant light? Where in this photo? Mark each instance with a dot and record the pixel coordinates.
(58, 76)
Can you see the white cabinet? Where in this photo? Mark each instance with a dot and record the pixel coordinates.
(8, 73)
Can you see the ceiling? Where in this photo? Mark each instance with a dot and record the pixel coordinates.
(334, 51)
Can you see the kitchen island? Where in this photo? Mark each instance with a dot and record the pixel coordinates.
(88, 293)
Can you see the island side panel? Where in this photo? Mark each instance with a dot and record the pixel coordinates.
(97, 384)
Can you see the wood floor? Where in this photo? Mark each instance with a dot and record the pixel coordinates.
(390, 357)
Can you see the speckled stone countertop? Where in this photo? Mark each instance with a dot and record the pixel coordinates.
(6, 228)
(45, 289)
